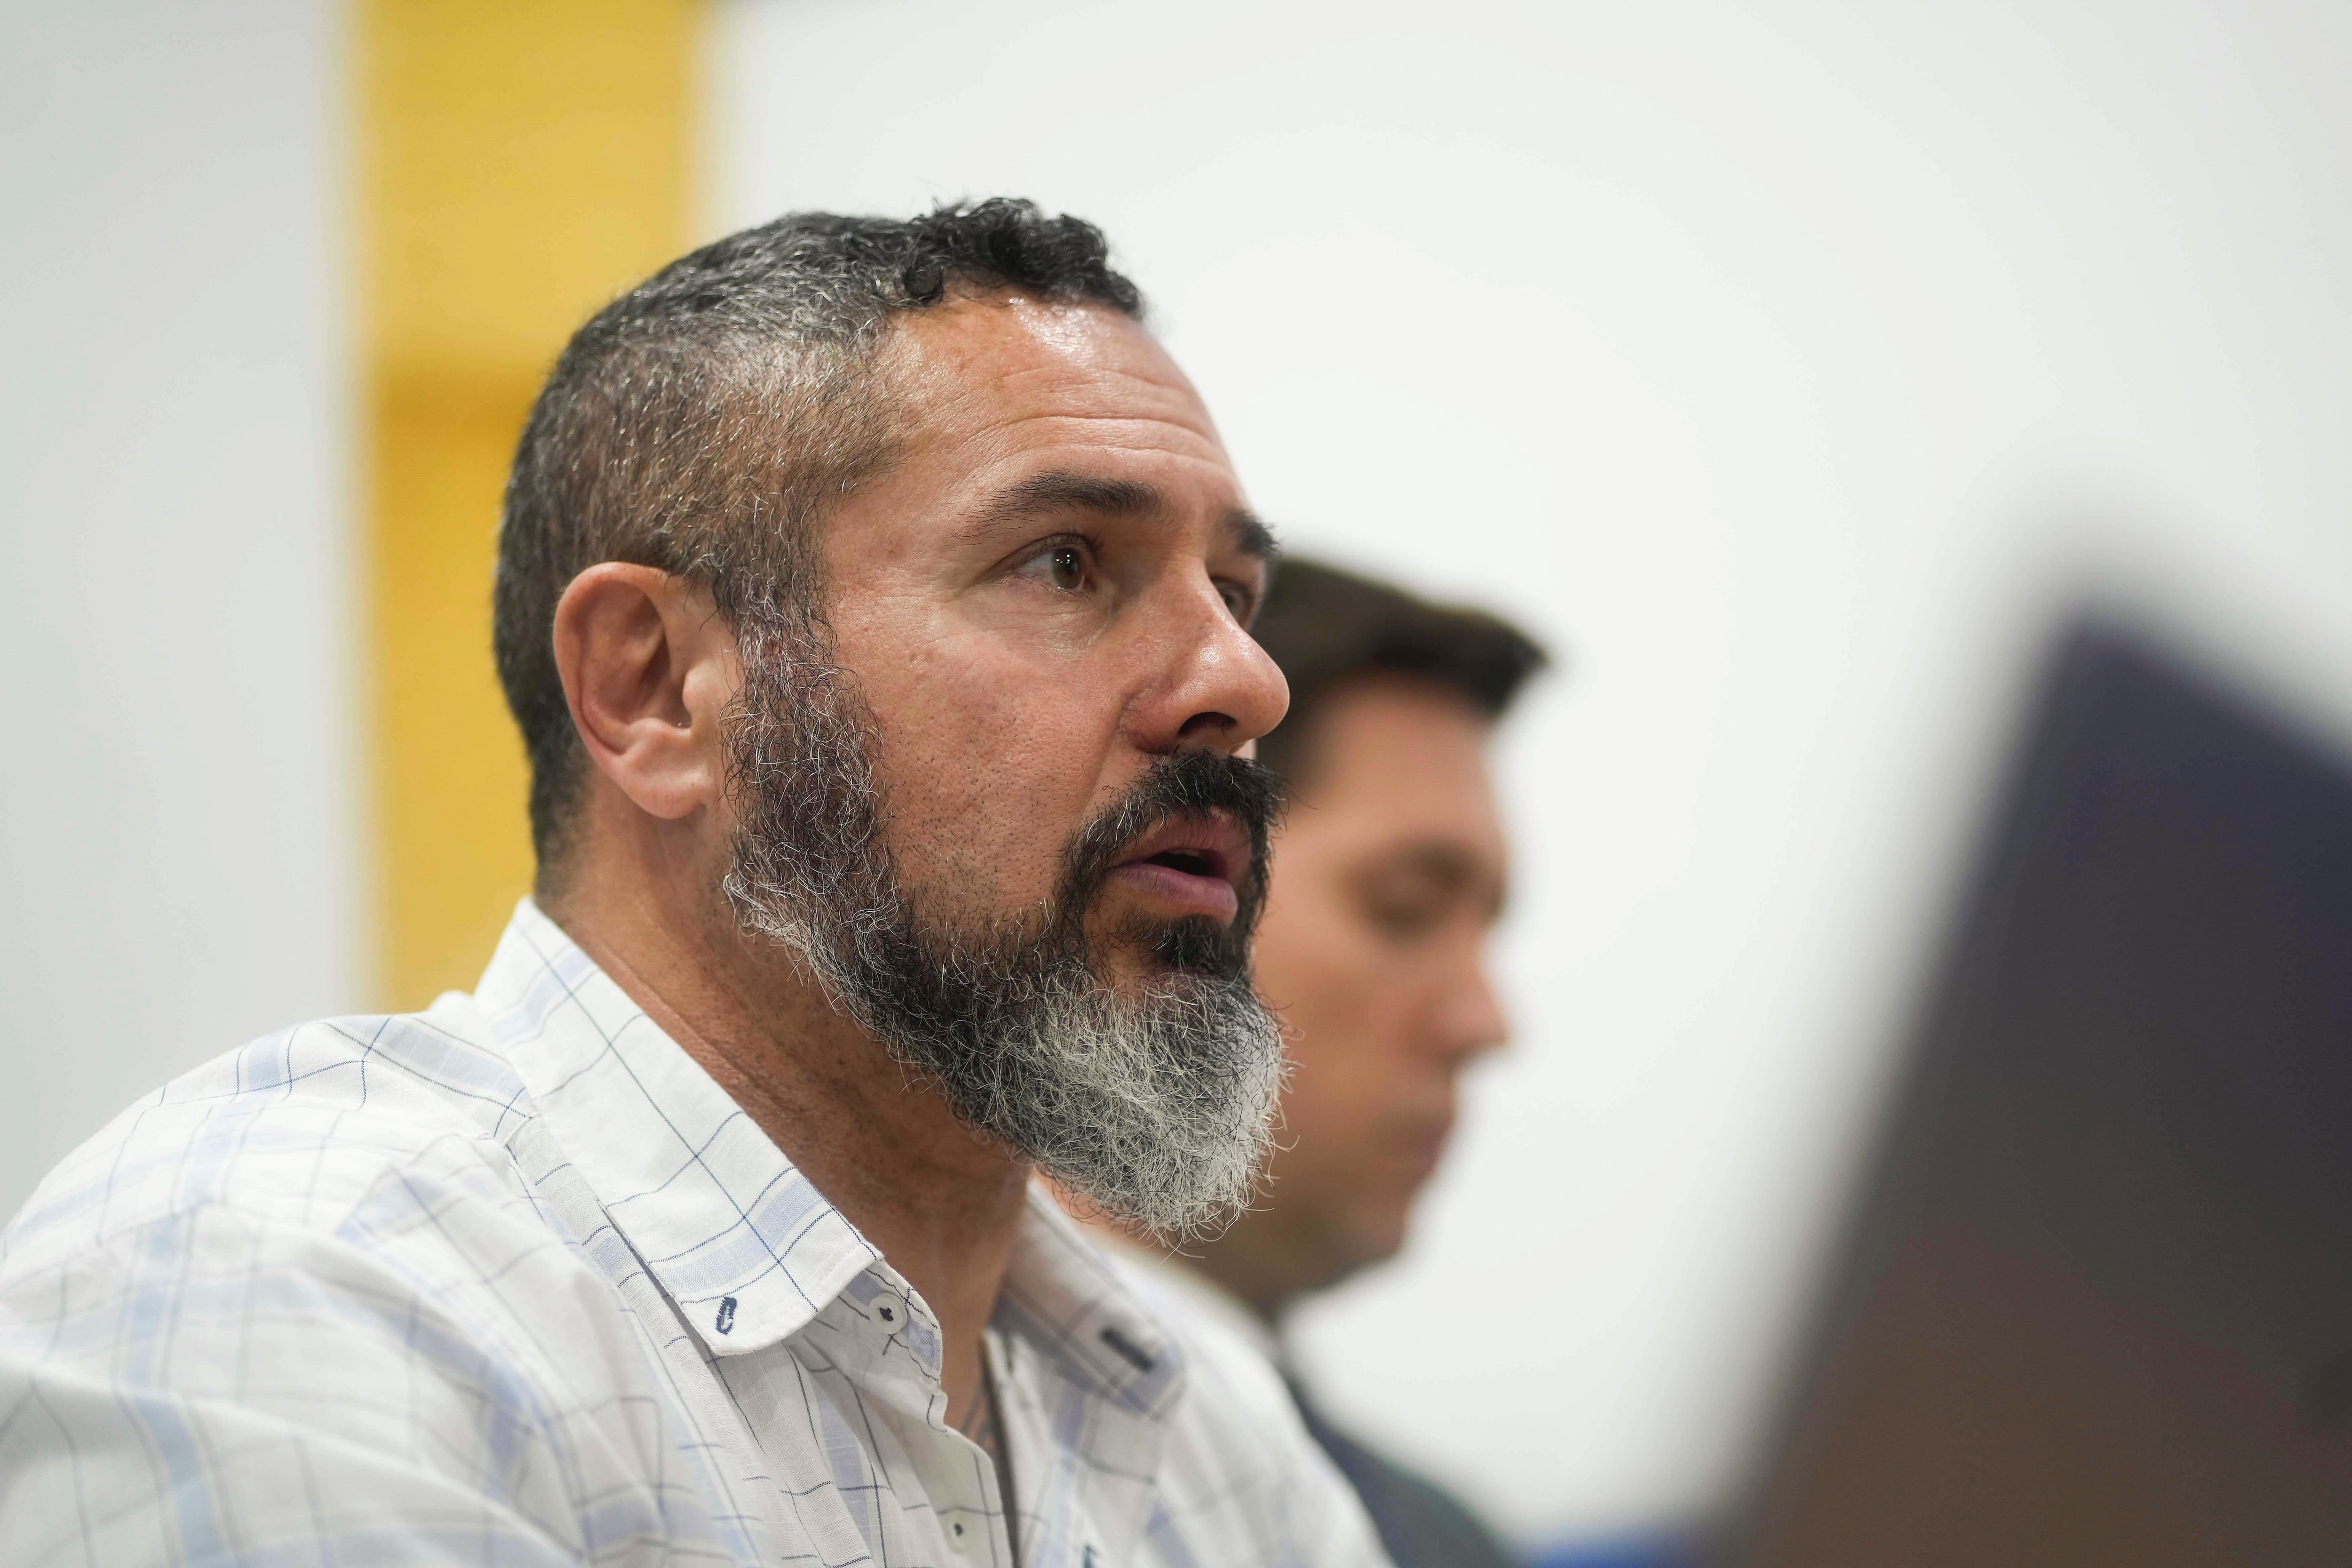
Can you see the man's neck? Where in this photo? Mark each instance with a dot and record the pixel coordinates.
(942, 1204)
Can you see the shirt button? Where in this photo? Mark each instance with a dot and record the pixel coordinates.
(958, 1536)
(891, 1311)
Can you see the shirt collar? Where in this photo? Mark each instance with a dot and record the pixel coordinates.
(745, 1245)
(740, 1240)
(1064, 1295)
(1164, 1275)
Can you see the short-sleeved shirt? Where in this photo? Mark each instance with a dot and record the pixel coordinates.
(514, 1281)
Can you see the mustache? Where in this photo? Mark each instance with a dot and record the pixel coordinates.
(1180, 785)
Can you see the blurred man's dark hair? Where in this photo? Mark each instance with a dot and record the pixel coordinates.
(1328, 628)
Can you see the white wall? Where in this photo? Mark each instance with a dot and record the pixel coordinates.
(1773, 358)
(178, 835)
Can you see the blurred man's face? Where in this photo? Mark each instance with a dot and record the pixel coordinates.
(992, 799)
(1389, 872)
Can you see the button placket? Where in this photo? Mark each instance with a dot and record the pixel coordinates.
(964, 1501)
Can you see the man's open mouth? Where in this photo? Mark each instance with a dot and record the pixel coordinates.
(1189, 867)
(1194, 862)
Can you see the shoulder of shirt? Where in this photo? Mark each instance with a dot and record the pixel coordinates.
(298, 1128)
(1241, 1413)
(1231, 1382)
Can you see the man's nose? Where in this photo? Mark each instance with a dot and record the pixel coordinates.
(1471, 1021)
(1220, 689)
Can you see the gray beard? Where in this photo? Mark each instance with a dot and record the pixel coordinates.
(1157, 1106)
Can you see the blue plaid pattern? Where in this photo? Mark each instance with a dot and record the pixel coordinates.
(513, 1281)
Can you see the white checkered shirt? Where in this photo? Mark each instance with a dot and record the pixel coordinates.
(513, 1281)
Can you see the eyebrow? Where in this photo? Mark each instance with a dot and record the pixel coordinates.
(1251, 535)
(1449, 863)
(1061, 490)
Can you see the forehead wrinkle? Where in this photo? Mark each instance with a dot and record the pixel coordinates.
(965, 344)
(1143, 389)
(964, 395)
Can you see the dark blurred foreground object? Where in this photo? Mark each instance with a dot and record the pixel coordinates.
(2097, 1307)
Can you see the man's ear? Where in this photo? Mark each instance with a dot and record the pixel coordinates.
(648, 667)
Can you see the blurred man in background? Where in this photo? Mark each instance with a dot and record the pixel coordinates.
(1389, 871)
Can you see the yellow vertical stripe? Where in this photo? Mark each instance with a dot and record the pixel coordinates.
(523, 160)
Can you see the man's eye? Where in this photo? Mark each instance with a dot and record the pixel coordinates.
(1066, 566)
(1402, 915)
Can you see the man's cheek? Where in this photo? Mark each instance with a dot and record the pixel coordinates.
(991, 768)
(997, 843)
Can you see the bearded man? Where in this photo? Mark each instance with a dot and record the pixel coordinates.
(874, 599)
